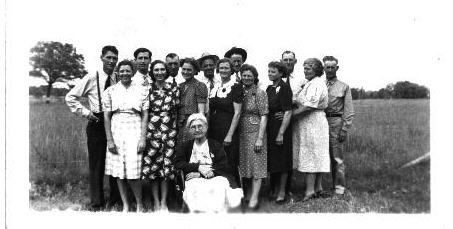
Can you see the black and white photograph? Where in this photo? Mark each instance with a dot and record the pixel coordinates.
(207, 113)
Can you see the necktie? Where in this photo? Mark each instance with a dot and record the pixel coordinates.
(107, 82)
(287, 81)
(145, 81)
(211, 85)
(237, 77)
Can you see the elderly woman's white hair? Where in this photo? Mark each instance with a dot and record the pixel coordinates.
(196, 116)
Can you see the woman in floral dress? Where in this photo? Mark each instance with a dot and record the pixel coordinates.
(252, 135)
(161, 136)
(312, 153)
(225, 102)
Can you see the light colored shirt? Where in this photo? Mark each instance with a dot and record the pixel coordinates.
(340, 101)
(296, 83)
(179, 79)
(87, 87)
(216, 80)
(118, 98)
(314, 94)
(141, 79)
(200, 154)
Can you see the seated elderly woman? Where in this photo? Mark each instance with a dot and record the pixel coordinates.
(209, 186)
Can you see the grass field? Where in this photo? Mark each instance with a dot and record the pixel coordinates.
(386, 134)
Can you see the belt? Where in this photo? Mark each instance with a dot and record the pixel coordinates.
(331, 115)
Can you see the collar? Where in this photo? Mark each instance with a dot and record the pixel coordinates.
(229, 84)
(251, 89)
(191, 81)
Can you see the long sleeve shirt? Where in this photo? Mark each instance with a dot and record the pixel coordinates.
(340, 102)
(87, 87)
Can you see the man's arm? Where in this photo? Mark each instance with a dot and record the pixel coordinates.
(73, 97)
(348, 110)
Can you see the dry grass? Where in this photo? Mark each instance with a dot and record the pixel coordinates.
(385, 135)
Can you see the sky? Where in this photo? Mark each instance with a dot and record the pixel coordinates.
(376, 42)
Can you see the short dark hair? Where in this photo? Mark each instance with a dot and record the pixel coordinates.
(281, 67)
(151, 73)
(316, 64)
(329, 58)
(110, 48)
(139, 50)
(289, 52)
(171, 55)
(125, 62)
(191, 61)
(223, 60)
(248, 67)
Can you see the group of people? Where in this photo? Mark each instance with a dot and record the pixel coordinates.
(150, 120)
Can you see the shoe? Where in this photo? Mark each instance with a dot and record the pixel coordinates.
(94, 207)
(322, 194)
(309, 197)
(254, 208)
(281, 201)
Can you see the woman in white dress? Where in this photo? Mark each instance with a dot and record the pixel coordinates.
(126, 114)
(311, 155)
(209, 183)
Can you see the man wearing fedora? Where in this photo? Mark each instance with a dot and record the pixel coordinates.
(238, 57)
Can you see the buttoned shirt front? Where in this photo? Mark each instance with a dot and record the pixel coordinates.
(87, 87)
(179, 78)
(142, 79)
(216, 80)
(340, 102)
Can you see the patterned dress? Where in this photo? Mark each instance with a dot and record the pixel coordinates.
(252, 164)
(279, 157)
(126, 105)
(161, 134)
(312, 151)
(221, 112)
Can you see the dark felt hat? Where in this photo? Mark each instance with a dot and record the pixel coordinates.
(236, 50)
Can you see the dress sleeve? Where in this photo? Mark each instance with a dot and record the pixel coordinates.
(286, 97)
(313, 95)
(201, 92)
(237, 93)
(107, 99)
(261, 98)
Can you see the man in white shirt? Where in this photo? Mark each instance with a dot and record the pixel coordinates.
(142, 59)
(296, 82)
(172, 61)
(238, 57)
(92, 87)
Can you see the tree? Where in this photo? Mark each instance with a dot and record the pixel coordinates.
(54, 61)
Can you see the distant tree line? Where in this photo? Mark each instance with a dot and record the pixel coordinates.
(399, 90)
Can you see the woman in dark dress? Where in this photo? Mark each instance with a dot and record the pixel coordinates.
(225, 102)
(279, 147)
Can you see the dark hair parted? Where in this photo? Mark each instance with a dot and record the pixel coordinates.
(248, 67)
(329, 58)
(126, 62)
(139, 50)
(281, 67)
(223, 60)
(151, 67)
(171, 55)
(110, 48)
(289, 52)
(316, 64)
(191, 61)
